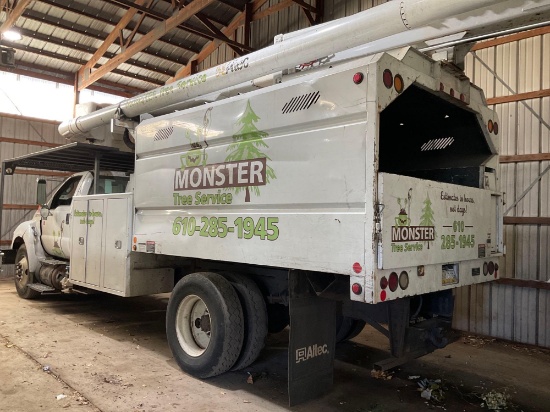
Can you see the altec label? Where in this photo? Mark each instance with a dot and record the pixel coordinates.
(310, 352)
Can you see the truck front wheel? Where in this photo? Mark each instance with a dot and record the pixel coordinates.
(23, 277)
(204, 324)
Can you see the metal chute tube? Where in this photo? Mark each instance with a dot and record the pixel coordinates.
(376, 23)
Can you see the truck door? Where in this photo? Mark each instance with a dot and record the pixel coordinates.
(56, 227)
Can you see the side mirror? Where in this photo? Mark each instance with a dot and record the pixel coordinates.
(44, 211)
(41, 192)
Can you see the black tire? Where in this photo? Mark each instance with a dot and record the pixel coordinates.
(212, 348)
(278, 317)
(22, 275)
(255, 318)
(348, 328)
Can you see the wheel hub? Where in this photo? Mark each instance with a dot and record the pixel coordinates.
(193, 325)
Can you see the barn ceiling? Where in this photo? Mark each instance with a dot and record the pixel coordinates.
(126, 47)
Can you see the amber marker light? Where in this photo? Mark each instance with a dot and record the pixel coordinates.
(398, 83)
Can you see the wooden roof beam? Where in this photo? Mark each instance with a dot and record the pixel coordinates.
(80, 62)
(78, 47)
(96, 34)
(159, 31)
(183, 26)
(87, 12)
(85, 71)
(31, 70)
(237, 47)
(14, 14)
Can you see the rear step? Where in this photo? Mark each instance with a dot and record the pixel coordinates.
(39, 287)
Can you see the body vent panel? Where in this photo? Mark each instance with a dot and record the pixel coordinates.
(302, 102)
(437, 144)
(163, 134)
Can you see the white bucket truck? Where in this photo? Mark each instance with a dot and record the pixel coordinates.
(356, 191)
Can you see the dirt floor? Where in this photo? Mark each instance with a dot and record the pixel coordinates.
(103, 353)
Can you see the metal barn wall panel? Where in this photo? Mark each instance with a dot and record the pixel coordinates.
(286, 20)
(20, 189)
(511, 312)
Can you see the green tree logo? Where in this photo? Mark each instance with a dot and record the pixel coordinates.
(247, 144)
(427, 218)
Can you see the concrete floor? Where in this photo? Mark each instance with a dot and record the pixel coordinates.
(110, 354)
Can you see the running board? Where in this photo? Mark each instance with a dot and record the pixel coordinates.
(39, 287)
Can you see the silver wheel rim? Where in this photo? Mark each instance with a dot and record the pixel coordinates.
(193, 326)
(22, 271)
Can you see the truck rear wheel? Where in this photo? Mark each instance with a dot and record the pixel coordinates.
(348, 328)
(255, 318)
(23, 277)
(204, 324)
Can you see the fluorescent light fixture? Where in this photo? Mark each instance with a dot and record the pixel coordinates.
(12, 35)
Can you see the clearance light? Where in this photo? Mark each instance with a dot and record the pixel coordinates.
(356, 288)
(398, 83)
(496, 270)
(357, 267)
(452, 92)
(441, 87)
(358, 78)
(485, 269)
(404, 280)
(490, 126)
(383, 282)
(393, 282)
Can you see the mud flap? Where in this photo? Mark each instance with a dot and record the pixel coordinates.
(312, 341)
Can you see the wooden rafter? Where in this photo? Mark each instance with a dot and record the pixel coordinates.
(250, 13)
(239, 50)
(14, 14)
(511, 38)
(85, 71)
(155, 34)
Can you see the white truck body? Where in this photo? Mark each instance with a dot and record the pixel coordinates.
(331, 197)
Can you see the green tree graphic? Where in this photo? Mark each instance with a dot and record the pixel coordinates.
(427, 218)
(247, 143)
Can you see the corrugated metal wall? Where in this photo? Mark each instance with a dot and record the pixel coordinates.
(21, 188)
(520, 314)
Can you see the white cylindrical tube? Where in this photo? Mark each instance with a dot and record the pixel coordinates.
(376, 23)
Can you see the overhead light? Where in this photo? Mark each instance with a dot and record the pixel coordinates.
(12, 35)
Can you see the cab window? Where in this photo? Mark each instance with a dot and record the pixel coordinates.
(64, 196)
(110, 184)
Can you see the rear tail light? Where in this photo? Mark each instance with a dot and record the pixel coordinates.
(491, 268)
(393, 281)
(490, 126)
(356, 288)
(383, 282)
(485, 269)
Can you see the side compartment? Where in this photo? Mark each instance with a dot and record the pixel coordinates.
(101, 241)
